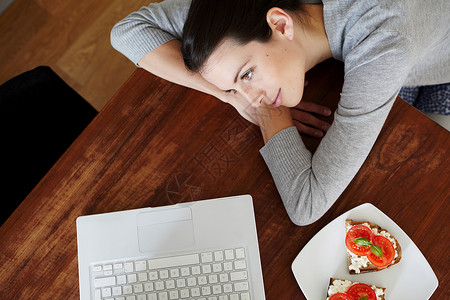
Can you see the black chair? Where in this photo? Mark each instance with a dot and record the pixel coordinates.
(40, 117)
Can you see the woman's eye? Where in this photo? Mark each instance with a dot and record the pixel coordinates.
(248, 75)
(230, 91)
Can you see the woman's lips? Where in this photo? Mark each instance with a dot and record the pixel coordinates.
(277, 101)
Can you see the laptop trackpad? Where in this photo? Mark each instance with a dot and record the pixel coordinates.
(165, 229)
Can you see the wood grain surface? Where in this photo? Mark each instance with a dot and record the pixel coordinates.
(156, 143)
(70, 36)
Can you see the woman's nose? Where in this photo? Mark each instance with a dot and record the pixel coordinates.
(253, 96)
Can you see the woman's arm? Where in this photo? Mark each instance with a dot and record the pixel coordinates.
(166, 62)
(150, 38)
(310, 184)
(150, 27)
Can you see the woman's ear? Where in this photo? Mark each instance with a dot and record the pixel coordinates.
(281, 22)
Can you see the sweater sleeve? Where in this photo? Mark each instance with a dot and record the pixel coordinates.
(310, 184)
(153, 25)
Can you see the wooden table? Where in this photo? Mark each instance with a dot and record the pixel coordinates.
(157, 143)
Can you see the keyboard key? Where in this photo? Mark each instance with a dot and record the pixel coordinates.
(148, 286)
(223, 277)
(213, 279)
(195, 292)
(163, 296)
(228, 266)
(195, 270)
(184, 293)
(121, 279)
(181, 283)
(234, 297)
(170, 284)
(240, 253)
(202, 280)
(106, 292)
(138, 288)
(227, 288)
(217, 289)
(117, 291)
(118, 266)
(245, 296)
(191, 281)
(241, 286)
(229, 254)
(173, 295)
(235, 276)
(153, 275)
(163, 274)
(207, 257)
(127, 289)
(140, 266)
(175, 261)
(206, 290)
(206, 269)
(240, 264)
(141, 297)
(185, 271)
(97, 268)
(132, 278)
(142, 277)
(152, 296)
(217, 268)
(159, 285)
(174, 273)
(103, 282)
(128, 267)
(218, 255)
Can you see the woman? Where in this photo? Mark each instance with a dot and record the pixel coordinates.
(254, 54)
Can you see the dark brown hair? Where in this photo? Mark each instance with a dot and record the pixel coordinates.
(210, 21)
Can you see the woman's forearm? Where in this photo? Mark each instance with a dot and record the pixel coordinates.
(166, 62)
(272, 120)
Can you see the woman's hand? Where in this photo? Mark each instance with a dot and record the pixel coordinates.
(245, 109)
(302, 114)
(306, 122)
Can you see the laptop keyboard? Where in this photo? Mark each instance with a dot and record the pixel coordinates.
(212, 275)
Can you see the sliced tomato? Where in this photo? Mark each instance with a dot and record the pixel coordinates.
(340, 296)
(386, 247)
(358, 231)
(359, 290)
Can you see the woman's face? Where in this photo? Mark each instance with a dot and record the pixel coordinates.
(272, 73)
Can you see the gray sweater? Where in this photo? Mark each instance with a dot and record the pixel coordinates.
(384, 44)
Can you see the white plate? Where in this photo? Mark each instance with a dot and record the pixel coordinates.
(325, 256)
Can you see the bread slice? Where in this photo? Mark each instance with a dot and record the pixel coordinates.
(358, 264)
(342, 285)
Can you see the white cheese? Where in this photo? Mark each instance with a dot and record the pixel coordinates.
(357, 262)
(342, 286)
(339, 286)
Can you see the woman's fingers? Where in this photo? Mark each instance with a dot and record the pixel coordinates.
(314, 108)
(302, 128)
(308, 119)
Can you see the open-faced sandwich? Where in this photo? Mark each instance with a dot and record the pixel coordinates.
(369, 247)
(340, 289)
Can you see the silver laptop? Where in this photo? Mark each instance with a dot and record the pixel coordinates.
(197, 250)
